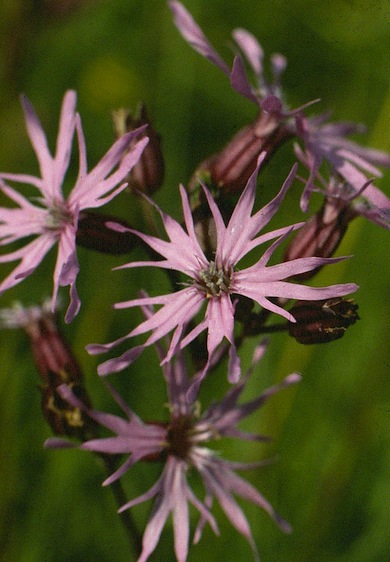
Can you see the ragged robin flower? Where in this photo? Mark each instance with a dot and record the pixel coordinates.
(51, 218)
(322, 140)
(182, 446)
(347, 187)
(213, 283)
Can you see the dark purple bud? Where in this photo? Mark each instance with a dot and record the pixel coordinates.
(322, 321)
(321, 235)
(148, 174)
(231, 168)
(57, 365)
(52, 354)
(94, 234)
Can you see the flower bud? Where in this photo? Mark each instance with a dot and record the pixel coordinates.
(320, 236)
(56, 365)
(231, 168)
(93, 234)
(52, 354)
(322, 321)
(148, 174)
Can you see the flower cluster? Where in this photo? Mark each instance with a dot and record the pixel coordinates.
(231, 276)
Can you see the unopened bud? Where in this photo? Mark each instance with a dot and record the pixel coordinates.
(231, 168)
(53, 356)
(148, 174)
(322, 321)
(94, 234)
(320, 236)
(56, 365)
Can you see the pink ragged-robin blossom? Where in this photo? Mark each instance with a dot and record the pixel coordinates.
(322, 141)
(51, 218)
(214, 283)
(182, 445)
(249, 47)
(353, 169)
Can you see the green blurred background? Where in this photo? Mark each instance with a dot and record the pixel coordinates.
(332, 433)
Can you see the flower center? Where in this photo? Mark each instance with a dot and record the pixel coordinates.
(213, 281)
(186, 434)
(179, 436)
(58, 215)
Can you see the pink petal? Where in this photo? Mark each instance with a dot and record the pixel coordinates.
(220, 315)
(90, 190)
(180, 516)
(24, 178)
(52, 169)
(189, 222)
(66, 270)
(252, 50)
(239, 80)
(162, 509)
(39, 143)
(245, 490)
(180, 309)
(64, 139)
(31, 256)
(194, 35)
(119, 363)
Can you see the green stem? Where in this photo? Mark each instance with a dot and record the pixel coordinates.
(133, 535)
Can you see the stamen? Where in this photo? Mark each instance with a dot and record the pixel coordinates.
(214, 281)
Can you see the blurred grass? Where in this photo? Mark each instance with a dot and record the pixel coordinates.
(332, 434)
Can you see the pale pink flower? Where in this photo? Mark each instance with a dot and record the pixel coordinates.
(52, 218)
(353, 167)
(215, 282)
(263, 90)
(182, 445)
(323, 141)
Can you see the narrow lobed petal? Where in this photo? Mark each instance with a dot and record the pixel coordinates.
(194, 35)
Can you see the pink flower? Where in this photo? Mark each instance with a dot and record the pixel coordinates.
(268, 95)
(354, 168)
(322, 141)
(215, 282)
(182, 445)
(52, 218)
(249, 47)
